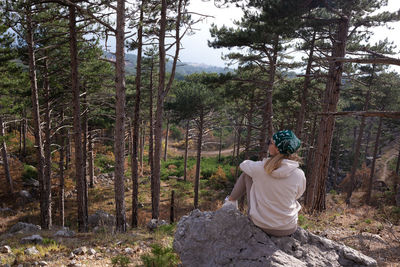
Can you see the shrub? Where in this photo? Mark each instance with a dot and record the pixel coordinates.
(29, 172)
(104, 162)
(160, 256)
(218, 180)
(175, 133)
(120, 260)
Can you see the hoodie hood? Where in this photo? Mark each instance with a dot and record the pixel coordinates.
(286, 168)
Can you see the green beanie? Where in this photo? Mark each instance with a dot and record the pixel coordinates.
(286, 142)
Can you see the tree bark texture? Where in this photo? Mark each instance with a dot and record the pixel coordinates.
(198, 160)
(119, 140)
(136, 126)
(357, 150)
(79, 173)
(90, 159)
(5, 158)
(304, 95)
(372, 173)
(47, 145)
(249, 127)
(266, 128)
(162, 93)
(44, 213)
(151, 135)
(84, 148)
(186, 151)
(61, 190)
(166, 141)
(321, 158)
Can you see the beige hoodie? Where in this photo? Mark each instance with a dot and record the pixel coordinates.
(274, 197)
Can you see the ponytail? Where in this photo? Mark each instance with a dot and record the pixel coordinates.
(274, 162)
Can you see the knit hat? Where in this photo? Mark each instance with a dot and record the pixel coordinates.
(286, 142)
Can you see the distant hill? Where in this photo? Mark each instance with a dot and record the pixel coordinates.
(182, 69)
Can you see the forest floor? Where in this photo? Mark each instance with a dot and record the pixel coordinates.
(374, 230)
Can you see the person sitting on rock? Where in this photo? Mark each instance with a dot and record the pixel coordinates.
(273, 186)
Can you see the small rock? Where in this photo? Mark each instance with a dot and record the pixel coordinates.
(65, 233)
(5, 249)
(43, 263)
(154, 223)
(35, 239)
(7, 211)
(72, 255)
(73, 263)
(25, 194)
(91, 251)
(31, 251)
(80, 251)
(129, 251)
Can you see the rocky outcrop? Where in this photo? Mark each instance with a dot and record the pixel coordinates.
(101, 218)
(24, 228)
(228, 238)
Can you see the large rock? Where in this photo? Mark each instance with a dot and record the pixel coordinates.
(227, 238)
(35, 239)
(24, 228)
(101, 218)
(65, 232)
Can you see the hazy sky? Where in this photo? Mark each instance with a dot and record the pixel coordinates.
(196, 48)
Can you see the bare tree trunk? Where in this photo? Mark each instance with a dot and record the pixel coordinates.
(162, 93)
(136, 121)
(91, 160)
(44, 213)
(166, 141)
(198, 160)
(47, 145)
(80, 179)
(267, 129)
(304, 95)
(151, 124)
(24, 128)
(398, 163)
(249, 128)
(238, 149)
(186, 151)
(61, 191)
(5, 158)
(337, 159)
(84, 152)
(234, 144)
(309, 166)
(326, 126)
(367, 140)
(119, 140)
(142, 140)
(357, 151)
(372, 173)
(68, 150)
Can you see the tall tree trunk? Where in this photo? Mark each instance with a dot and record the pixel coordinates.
(79, 173)
(24, 128)
(91, 159)
(5, 158)
(84, 146)
(68, 150)
(186, 151)
(304, 95)
(141, 153)
(44, 213)
(372, 173)
(367, 140)
(238, 148)
(357, 150)
(398, 162)
(61, 190)
(234, 143)
(119, 140)
(136, 121)
(166, 141)
(47, 145)
(326, 126)
(266, 128)
(162, 93)
(249, 128)
(309, 166)
(198, 160)
(151, 135)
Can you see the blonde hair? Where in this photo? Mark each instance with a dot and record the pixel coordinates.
(274, 162)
